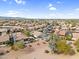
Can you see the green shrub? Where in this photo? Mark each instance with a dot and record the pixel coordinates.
(68, 37)
(18, 45)
(62, 47)
(77, 50)
(14, 47)
(77, 45)
(26, 32)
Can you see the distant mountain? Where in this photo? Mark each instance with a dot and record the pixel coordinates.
(20, 18)
(17, 18)
(10, 18)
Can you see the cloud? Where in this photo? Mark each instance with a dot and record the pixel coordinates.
(12, 13)
(51, 7)
(77, 9)
(20, 2)
(64, 15)
(56, 15)
(71, 14)
(15, 13)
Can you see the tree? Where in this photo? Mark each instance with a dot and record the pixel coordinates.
(68, 35)
(11, 40)
(54, 37)
(52, 41)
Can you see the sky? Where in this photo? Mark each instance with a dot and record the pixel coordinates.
(40, 8)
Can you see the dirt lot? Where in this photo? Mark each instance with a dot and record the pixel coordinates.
(37, 51)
